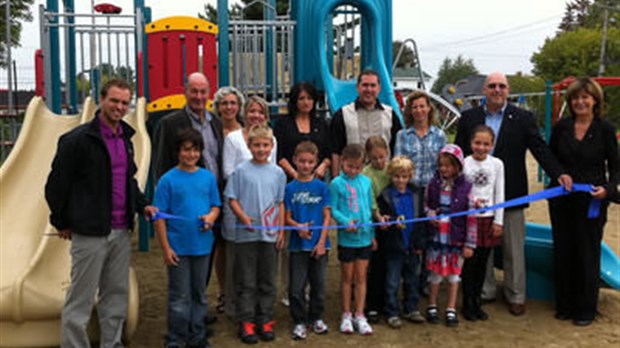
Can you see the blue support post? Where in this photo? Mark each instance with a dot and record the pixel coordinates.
(71, 82)
(223, 60)
(147, 15)
(56, 97)
(329, 38)
(548, 112)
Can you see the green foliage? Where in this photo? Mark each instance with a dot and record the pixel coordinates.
(407, 58)
(20, 11)
(587, 14)
(577, 53)
(520, 83)
(452, 71)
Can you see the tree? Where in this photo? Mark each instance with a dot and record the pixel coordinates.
(20, 11)
(587, 14)
(407, 58)
(451, 71)
(576, 53)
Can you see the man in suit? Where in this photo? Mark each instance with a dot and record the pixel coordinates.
(515, 132)
(193, 115)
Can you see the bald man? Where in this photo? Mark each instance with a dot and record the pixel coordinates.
(193, 115)
(515, 132)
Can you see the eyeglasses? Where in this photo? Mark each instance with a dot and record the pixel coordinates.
(227, 102)
(495, 85)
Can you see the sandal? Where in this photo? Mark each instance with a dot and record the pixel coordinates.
(221, 303)
(432, 314)
(451, 318)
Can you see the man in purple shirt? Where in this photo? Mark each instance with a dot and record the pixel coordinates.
(93, 196)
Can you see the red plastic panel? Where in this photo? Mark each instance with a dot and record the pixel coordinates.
(174, 54)
(39, 88)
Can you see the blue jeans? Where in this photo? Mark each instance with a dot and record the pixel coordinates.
(187, 304)
(405, 265)
(305, 269)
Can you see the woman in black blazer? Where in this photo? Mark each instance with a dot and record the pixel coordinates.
(586, 146)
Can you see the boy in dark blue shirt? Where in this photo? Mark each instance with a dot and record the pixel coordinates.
(402, 244)
(307, 202)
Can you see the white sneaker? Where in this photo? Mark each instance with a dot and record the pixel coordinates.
(362, 326)
(319, 327)
(299, 332)
(346, 325)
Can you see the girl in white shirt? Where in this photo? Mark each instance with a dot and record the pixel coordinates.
(486, 173)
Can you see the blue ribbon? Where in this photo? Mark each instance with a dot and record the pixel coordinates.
(593, 210)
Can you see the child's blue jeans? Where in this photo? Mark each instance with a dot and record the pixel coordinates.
(403, 266)
(187, 304)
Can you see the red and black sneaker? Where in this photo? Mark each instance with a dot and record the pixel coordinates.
(247, 332)
(266, 332)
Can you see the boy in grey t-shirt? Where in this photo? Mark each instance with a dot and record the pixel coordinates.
(255, 191)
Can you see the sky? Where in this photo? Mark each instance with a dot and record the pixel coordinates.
(497, 35)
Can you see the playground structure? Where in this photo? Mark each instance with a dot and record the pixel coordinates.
(259, 57)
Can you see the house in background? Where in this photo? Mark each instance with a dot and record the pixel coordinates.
(408, 78)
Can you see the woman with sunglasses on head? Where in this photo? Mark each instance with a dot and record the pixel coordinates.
(586, 145)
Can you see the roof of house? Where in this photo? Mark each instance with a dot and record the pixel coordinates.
(409, 72)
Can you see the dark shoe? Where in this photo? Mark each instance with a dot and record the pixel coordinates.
(451, 318)
(432, 315)
(221, 304)
(517, 309)
(582, 322)
(247, 333)
(480, 314)
(373, 317)
(210, 319)
(562, 316)
(265, 331)
(469, 309)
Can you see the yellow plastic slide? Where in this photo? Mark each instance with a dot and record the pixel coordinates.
(34, 264)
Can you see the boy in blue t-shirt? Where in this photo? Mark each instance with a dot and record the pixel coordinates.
(307, 202)
(191, 193)
(255, 192)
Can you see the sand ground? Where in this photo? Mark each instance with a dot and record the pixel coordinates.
(537, 328)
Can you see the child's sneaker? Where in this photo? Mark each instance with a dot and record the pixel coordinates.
(394, 322)
(432, 314)
(299, 332)
(346, 325)
(451, 318)
(247, 333)
(265, 331)
(362, 326)
(319, 327)
(415, 317)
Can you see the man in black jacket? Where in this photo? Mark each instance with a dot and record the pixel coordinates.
(515, 132)
(93, 196)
